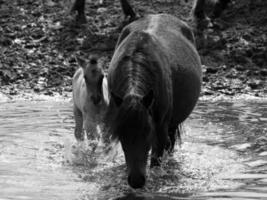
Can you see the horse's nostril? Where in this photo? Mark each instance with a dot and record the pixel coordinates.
(137, 181)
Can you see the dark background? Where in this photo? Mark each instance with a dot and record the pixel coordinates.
(39, 40)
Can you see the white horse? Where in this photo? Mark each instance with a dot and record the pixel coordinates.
(90, 98)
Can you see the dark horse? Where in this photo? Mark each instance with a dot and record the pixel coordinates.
(154, 82)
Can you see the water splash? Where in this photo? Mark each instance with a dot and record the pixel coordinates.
(90, 153)
(223, 155)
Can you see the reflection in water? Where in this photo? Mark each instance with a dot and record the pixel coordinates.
(223, 155)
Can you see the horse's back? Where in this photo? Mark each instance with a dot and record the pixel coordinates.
(177, 41)
(173, 34)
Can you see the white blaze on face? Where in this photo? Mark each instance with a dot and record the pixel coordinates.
(105, 90)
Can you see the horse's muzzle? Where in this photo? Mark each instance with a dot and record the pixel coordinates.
(136, 181)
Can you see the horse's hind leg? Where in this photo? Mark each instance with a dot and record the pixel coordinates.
(79, 6)
(128, 10)
(219, 7)
(172, 137)
(159, 145)
(174, 133)
(79, 134)
(129, 14)
(199, 10)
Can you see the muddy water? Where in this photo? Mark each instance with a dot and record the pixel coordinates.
(223, 156)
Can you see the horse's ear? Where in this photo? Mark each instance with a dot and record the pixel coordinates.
(81, 62)
(118, 100)
(148, 99)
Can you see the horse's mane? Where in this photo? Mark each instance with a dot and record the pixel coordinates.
(135, 76)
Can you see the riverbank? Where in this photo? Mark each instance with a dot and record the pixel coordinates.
(39, 41)
(67, 97)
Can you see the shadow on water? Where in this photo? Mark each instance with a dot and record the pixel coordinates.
(223, 156)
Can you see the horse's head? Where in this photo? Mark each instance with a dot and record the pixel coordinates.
(93, 76)
(134, 128)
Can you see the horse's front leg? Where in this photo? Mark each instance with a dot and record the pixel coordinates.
(160, 144)
(91, 132)
(78, 117)
(173, 134)
(79, 6)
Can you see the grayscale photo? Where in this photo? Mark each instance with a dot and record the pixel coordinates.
(133, 100)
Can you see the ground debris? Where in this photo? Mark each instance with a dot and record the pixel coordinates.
(40, 39)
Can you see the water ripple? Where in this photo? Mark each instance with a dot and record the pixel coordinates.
(223, 156)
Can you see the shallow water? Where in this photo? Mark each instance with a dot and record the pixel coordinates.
(223, 156)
